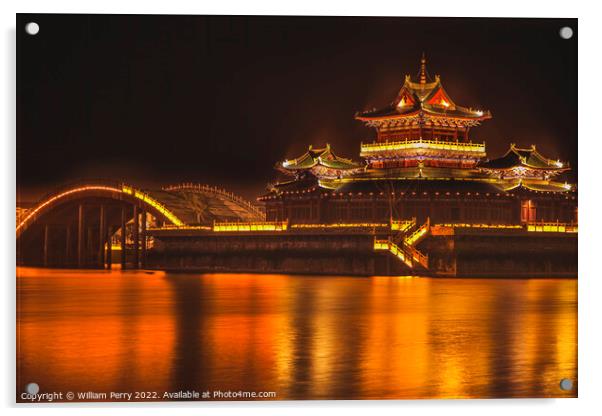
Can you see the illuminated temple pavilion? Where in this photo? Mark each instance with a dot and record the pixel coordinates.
(423, 163)
(422, 199)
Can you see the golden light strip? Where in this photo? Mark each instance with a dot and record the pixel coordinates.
(153, 203)
(249, 226)
(341, 225)
(124, 189)
(49, 201)
(552, 228)
(423, 144)
(181, 227)
(459, 225)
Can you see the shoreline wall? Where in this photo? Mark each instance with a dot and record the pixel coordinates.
(465, 253)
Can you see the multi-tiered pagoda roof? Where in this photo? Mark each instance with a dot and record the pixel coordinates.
(429, 99)
(524, 159)
(424, 100)
(320, 162)
(422, 146)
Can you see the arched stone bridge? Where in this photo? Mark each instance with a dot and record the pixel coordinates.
(77, 225)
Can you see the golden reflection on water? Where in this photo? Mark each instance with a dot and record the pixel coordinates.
(300, 336)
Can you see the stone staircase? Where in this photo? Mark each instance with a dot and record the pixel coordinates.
(402, 245)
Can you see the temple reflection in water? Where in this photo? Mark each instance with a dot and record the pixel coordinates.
(302, 337)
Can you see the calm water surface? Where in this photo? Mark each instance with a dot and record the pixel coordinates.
(302, 337)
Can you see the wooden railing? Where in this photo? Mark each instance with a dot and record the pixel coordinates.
(552, 227)
(476, 225)
(250, 226)
(340, 225)
(423, 143)
(419, 234)
(391, 247)
(402, 225)
(535, 226)
(217, 191)
(418, 257)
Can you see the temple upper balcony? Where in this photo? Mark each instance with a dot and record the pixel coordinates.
(423, 147)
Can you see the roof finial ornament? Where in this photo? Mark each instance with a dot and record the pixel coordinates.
(423, 69)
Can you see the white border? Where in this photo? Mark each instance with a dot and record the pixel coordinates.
(590, 160)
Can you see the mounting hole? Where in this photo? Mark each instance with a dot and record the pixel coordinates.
(32, 28)
(566, 384)
(32, 388)
(566, 32)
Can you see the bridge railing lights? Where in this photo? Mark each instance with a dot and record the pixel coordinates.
(152, 202)
(31, 214)
(250, 226)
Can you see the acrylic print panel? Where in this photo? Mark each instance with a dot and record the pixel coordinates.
(275, 208)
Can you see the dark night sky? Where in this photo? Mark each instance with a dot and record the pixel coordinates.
(219, 100)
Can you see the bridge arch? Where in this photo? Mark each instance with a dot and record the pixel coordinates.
(121, 192)
(74, 226)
